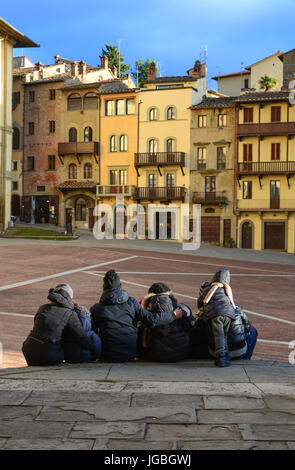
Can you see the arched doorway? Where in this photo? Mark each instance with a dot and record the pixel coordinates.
(247, 235)
(15, 205)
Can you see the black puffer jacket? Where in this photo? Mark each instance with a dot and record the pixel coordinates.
(116, 317)
(237, 334)
(54, 318)
(168, 343)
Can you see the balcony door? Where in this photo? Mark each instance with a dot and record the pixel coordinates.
(275, 194)
(210, 188)
(151, 180)
(247, 157)
(170, 184)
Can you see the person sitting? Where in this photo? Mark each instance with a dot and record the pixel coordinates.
(170, 342)
(116, 316)
(43, 346)
(73, 350)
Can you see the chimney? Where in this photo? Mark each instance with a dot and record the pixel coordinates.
(74, 69)
(198, 70)
(114, 71)
(152, 72)
(82, 68)
(39, 67)
(57, 59)
(104, 62)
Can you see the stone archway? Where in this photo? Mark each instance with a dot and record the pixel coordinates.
(79, 208)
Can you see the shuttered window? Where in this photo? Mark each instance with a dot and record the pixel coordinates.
(275, 113)
(276, 151)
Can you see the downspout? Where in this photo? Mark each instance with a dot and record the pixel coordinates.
(236, 143)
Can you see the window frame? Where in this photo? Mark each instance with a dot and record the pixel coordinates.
(247, 191)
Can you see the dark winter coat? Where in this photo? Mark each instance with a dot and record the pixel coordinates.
(237, 334)
(50, 322)
(116, 317)
(171, 342)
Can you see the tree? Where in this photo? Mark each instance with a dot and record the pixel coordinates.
(141, 71)
(115, 59)
(267, 82)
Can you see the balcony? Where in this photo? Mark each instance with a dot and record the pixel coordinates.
(211, 198)
(264, 129)
(78, 148)
(265, 168)
(162, 193)
(114, 190)
(266, 205)
(159, 159)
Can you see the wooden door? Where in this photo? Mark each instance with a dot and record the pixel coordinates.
(210, 188)
(247, 235)
(69, 216)
(90, 218)
(226, 228)
(274, 235)
(210, 229)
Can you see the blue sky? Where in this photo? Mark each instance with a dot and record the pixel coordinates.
(172, 32)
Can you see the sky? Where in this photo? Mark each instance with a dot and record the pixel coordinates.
(174, 33)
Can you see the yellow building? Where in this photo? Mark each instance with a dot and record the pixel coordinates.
(212, 167)
(163, 157)
(9, 38)
(265, 171)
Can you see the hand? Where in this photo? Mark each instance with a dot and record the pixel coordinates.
(178, 312)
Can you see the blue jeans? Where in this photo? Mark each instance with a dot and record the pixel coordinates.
(251, 343)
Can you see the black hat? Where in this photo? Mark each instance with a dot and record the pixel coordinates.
(111, 280)
(159, 288)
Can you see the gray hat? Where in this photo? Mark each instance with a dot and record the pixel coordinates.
(66, 288)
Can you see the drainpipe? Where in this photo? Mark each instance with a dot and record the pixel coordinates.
(138, 127)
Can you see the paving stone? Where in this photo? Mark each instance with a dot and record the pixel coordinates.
(263, 432)
(280, 403)
(64, 372)
(49, 444)
(183, 373)
(2, 442)
(121, 430)
(194, 388)
(190, 432)
(67, 397)
(163, 399)
(126, 444)
(10, 397)
(54, 385)
(38, 429)
(271, 374)
(276, 388)
(291, 445)
(245, 417)
(231, 445)
(16, 412)
(233, 403)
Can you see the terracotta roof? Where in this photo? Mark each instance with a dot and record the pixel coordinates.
(261, 60)
(113, 85)
(285, 53)
(263, 96)
(61, 77)
(207, 102)
(184, 78)
(242, 72)
(74, 184)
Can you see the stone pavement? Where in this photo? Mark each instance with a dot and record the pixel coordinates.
(190, 405)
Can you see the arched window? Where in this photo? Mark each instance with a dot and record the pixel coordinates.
(73, 134)
(152, 146)
(87, 171)
(90, 101)
(74, 102)
(72, 171)
(113, 143)
(171, 112)
(15, 138)
(88, 134)
(80, 209)
(153, 114)
(123, 143)
(170, 145)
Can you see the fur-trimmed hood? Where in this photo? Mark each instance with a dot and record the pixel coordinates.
(146, 300)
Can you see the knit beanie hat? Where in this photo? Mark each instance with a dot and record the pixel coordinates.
(159, 288)
(111, 280)
(66, 288)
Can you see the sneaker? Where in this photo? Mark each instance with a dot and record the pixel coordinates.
(222, 362)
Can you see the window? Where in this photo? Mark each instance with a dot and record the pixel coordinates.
(275, 113)
(221, 158)
(170, 145)
(246, 83)
(275, 151)
(123, 143)
(247, 152)
(14, 185)
(41, 188)
(14, 166)
(151, 180)
(31, 128)
(109, 107)
(152, 146)
(247, 189)
(15, 139)
(130, 106)
(221, 121)
(31, 163)
(31, 96)
(113, 143)
(90, 101)
(120, 107)
(87, 171)
(51, 162)
(275, 194)
(51, 127)
(118, 177)
(171, 113)
(88, 134)
(52, 94)
(153, 114)
(210, 185)
(15, 98)
(72, 171)
(201, 158)
(170, 180)
(73, 134)
(80, 210)
(202, 120)
(74, 102)
(248, 114)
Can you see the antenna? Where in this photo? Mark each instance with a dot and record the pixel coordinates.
(159, 67)
(205, 54)
(136, 75)
(119, 58)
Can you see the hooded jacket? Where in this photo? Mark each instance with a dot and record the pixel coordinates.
(116, 317)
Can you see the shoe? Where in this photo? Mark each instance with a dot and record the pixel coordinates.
(222, 362)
